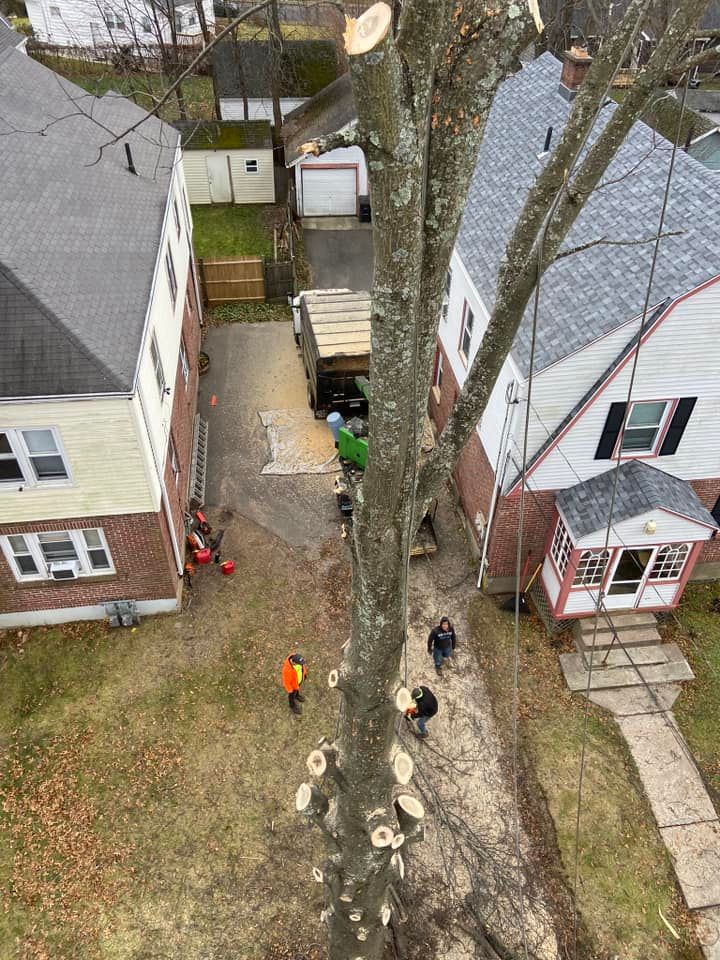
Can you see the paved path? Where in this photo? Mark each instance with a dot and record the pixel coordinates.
(685, 815)
(339, 258)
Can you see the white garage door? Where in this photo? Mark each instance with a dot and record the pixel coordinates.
(329, 191)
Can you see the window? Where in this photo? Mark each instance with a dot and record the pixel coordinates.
(590, 569)
(114, 19)
(177, 220)
(157, 366)
(716, 511)
(31, 554)
(466, 333)
(561, 547)
(439, 371)
(184, 365)
(172, 279)
(446, 296)
(251, 166)
(192, 19)
(174, 466)
(146, 25)
(643, 426)
(31, 457)
(178, 22)
(669, 561)
(55, 12)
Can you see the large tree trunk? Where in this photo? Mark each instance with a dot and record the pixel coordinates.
(275, 62)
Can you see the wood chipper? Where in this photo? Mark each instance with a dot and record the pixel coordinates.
(352, 446)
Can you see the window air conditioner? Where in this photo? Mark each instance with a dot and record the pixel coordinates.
(66, 570)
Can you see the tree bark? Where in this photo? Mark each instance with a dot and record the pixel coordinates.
(275, 60)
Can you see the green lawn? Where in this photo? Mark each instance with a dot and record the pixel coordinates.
(245, 230)
(625, 876)
(698, 707)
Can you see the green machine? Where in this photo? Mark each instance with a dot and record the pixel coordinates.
(351, 444)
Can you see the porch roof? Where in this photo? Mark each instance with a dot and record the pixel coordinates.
(640, 488)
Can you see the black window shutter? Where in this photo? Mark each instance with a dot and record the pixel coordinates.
(716, 511)
(611, 431)
(677, 426)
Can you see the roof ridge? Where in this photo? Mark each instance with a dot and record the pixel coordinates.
(59, 324)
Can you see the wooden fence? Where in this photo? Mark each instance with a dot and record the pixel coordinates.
(279, 280)
(229, 279)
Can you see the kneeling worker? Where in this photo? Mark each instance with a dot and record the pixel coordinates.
(294, 672)
(423, 708)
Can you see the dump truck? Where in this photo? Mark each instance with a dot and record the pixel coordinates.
(332, 328)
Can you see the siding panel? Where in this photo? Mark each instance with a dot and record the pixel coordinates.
(550, 580)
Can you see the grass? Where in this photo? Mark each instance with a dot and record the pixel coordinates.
(147, 776)
(245, 230)
(698, 707)
(624, 872)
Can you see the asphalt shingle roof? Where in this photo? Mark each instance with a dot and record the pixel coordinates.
(640, 488)
(326, 112)
(8, 37)
(80, 235)
(588, 294)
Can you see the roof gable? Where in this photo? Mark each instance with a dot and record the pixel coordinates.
(588, 294)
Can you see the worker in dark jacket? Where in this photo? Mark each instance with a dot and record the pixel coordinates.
(441, 643)
(294, 672)
(424, 706)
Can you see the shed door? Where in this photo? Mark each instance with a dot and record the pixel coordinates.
(329, 191)
(219, 178)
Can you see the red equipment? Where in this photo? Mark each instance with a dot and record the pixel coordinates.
(203, 556)
(227, 567)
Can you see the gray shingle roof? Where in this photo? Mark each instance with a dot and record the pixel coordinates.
(640, 488)
(224, 134)
(326, 112)
(79, 238)
(8, 37)
(588, 294)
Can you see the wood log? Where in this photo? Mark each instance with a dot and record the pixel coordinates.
(411, 816)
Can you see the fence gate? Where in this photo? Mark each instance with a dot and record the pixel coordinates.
(279, 280)
(229, 279)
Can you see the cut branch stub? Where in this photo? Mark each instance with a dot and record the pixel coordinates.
(318, 875)
(411, 814)
(381, 836)
(334, 681)
(403, 767)
(310, 801)
(403, 699)
(356, 916)
(398, 864)
(348, 892)
(385, 914)
(398, 840)
(324, 761)
(365, 33)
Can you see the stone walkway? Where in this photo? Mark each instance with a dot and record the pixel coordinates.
(685, 815)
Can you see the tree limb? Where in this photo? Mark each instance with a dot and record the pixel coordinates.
(697, 60)
(603, 241)
(347, 136)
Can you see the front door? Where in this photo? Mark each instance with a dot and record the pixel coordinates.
(218, 178)
(627, 579)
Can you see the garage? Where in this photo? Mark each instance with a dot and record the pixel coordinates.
(329, 191)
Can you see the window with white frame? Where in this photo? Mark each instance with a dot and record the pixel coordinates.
(157, 366)
(170, 270)
(251, 166)
(34, 556)
(561, 547)
(437, 382)
(114, 19)
(466, 330)
(177, 221)
(55, 12)
(184, 364)
(591, 568)
(173, 457)
(670, 561)
(31, 457)
(446, 296)
(643, 426)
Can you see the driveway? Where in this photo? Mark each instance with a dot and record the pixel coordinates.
(256, 367)
(339, 258)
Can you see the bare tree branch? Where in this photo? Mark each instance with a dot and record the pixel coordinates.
(347, 136)
(604, 242)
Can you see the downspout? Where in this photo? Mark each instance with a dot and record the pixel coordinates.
(503, 454)
(179, 563)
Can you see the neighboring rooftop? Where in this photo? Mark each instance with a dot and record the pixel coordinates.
(640, 488)
(243, 68)
(706, 150)
(224, 134)
(80, 233)
(586, 295)
(326, 112)
(8, 37)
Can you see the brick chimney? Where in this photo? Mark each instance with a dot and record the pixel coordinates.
(576, 64)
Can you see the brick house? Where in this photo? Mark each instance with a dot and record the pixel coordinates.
(100, 325)
(666, 504)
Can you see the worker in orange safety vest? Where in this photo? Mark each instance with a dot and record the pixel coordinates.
(294, 672)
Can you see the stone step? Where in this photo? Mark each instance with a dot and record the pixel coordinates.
(649, 637)
(623, 622)
(673, 669)
(642, 656)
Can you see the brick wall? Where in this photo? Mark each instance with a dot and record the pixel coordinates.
(539, 509)
(183, 413)
(708, 491)
(139, 553)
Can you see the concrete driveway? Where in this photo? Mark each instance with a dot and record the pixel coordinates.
(339, 257)
(256, 367)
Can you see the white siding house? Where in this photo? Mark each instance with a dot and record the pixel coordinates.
(258, 108)
(98, 377)
(97, 24)
(227, 162)
(583, 437)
